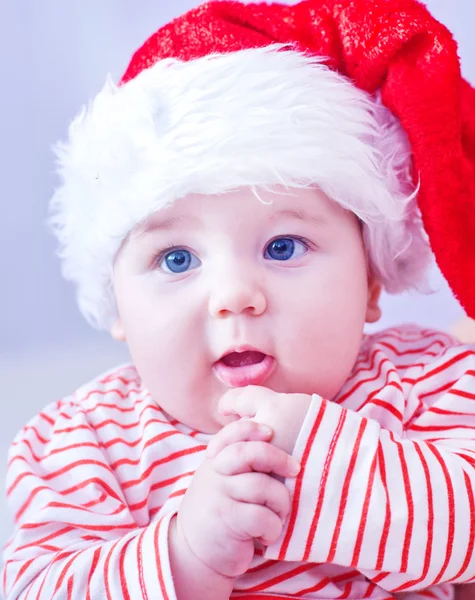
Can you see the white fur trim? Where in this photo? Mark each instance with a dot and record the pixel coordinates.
(254, 118)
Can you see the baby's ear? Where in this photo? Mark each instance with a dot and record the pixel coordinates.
(117, 331)
(373, 311)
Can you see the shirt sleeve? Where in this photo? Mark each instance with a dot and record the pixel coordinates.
(74, 536)
(398, 507)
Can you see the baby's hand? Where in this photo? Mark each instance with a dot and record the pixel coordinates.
(283, 413)
(233, 499)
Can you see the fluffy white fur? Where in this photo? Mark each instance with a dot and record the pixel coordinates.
(255, 118)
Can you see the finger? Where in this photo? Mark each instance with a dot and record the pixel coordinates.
(258, 488)
(238, 431)
(249, 521)
(241, 401)
(245, 457)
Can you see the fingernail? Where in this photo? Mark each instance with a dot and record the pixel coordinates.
(265, 429)
(294, 467)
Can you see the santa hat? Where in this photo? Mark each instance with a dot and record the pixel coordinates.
(362, 98)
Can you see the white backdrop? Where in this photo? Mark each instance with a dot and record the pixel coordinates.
(55, 56)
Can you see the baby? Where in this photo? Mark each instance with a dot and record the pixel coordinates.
(232, 212)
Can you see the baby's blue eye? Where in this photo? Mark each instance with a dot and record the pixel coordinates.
(179, 261)
(285, 248)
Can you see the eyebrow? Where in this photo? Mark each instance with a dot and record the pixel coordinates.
(177, 221)
(301, 215)
(166, 224)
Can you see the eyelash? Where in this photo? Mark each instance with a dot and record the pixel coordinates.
(160, 255)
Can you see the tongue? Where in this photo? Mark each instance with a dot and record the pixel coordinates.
(243, 359)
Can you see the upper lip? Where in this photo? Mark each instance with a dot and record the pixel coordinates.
(241, 348)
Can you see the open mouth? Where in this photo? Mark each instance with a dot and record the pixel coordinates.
(243, 359)
(238, 369)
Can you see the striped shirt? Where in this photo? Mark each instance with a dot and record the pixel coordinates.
(383, 503)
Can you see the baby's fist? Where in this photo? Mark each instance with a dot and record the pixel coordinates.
(283, 413)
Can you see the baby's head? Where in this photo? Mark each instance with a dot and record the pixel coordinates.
(225, 290)
(244, 206)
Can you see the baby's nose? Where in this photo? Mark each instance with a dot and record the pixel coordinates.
(233, 296)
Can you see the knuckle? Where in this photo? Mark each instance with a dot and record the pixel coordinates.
(240, 450)
(261, 487)
(257, 519)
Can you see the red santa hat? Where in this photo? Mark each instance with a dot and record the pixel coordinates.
(362, 98)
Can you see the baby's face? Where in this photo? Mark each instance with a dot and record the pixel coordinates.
(224, 291)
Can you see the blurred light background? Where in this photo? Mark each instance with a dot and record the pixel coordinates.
(55, 57)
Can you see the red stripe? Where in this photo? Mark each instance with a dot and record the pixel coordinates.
(177, 493)
(96, 502)
(341, 399)
(22, 570)
(103, 424)
(282, 577)
(35, 431)
(94, 481)
(158, 561)
(124, 395)
(73, 507)
(47, 538)
(265, 565)
(381, 388)
(106, 569)
(70, 587)
(323, 484)
(66, 492)
(435, 410)
(143, 587)
(451, 503)
(299, 481)
(471, 537)
(29, 588)
(344, 492)
(129, 461)
(118, 375)
(439, 427)
(83, 426)
(29, 500)
(5, 579)
(66, 469)
(38, 459)
(123, 580)
(91, 538)
(346, 591)
(56, 559)
(439, 390)
(409, 501)
(423, 350)
(430, 524)
(446, 365)
(386, 405)
(370, 589)
(171, 457)
(327, 580)
(95, 561)
(364, 516)
(154, 511)
(462, 394)
(46, 418)
(156, 486)
(106, 445)
(407, 337)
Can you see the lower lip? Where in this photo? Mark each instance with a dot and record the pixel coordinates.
(247, 375)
